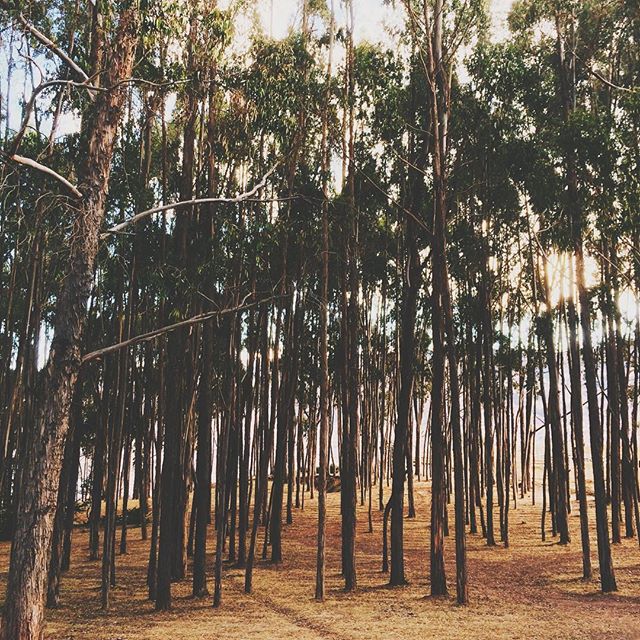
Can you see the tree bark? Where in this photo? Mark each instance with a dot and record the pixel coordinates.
(26, 591)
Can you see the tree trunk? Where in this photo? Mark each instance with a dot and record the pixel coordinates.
(26, 591)
(203, 466)
(407, 362)
(575, 379)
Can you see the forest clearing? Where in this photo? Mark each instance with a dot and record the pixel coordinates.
(530, 590)
(322, 316)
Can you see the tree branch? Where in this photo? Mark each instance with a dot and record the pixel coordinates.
(31, 104)
(145, 337)
(27, 162)
(185, 203)
(49, 44)
(599, 76)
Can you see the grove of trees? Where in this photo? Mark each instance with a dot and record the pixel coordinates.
(238, 272)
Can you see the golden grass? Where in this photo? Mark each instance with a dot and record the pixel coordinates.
(531, 590)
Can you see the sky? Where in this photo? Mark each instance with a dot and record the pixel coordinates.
(371, 17)
(374, 21)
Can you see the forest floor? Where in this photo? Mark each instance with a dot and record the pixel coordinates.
(531, 590)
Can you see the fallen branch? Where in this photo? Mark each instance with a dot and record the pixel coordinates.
(186, 203)
(28, 162)
(145, 337)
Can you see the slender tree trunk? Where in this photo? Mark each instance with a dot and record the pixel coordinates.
(559, 468)
(607, 575)
(202, 499)
(323, 462)
(575, 378)
(407, 357)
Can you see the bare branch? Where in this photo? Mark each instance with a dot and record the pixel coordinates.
(27, 162)
(599, 76)
(49, 44)
(31, 104)
(186, 203)
(145, 337)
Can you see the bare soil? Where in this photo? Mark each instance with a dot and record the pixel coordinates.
(532, 590)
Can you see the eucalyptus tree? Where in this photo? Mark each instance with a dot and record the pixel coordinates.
(411, 215)
(497, 177)
(569, 60)
(487, 236)
(374, 167)
(323, 461)
(444, 28)
(502, 73)
(290, 129)
(23, 616)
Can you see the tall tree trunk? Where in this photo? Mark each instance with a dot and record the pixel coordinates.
(559, 468)
(407, 368)
(67, 475)
(323, 462)
(607, 575)
(202, 501)
(26, 591)
(575, 378)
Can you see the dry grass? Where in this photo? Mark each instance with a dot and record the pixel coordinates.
(531, 590)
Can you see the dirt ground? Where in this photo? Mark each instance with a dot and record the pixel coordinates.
(530, 590)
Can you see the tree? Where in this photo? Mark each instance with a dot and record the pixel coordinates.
(23, 617)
